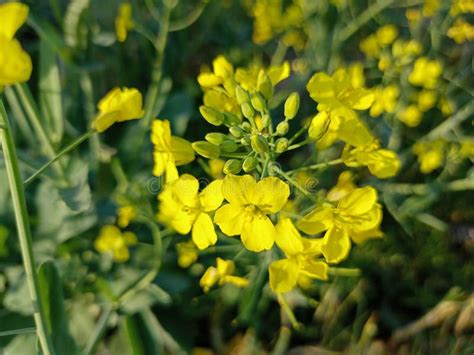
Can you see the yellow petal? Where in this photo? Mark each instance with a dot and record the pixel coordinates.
(182, 150)
(366, 221)
(230, 218)
(337, 245)
(203, 233)
(15, 63)
(277, 73)
(186, 190)
(283, 275)
(258, 234)
(236, 281)
(211, 197)
(288, 238)
(209, 279)
(317, 221)
(362, 237)
(236, 188)
(321, 88)
(315, 269)
(224, 267)
(358, 201)
(209, 80)
(13, 15)
(222, 67)
(270, 195)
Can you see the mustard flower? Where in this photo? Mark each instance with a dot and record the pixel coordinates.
(462, 31)
(118, 105)
(430, 7)
(185, 209)
(385, 100)
(431, 155)
(357, 216)
(425, 73)
(15, 63)
(372, 45)
(426, 100)
(410, 115)
(125, 215)
(461, 7)
(405, 51)
(123, 21)
(301, 258)
(345, 184)
(248, 77)
(187, 254)
(168, 151)
(221, 274)
(250, 203)
(112, 240)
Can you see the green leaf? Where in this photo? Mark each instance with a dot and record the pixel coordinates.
(56, 318)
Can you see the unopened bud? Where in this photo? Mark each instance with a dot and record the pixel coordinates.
(319, 125)
(259, 144)
(282, 128)
(241, 95)
(206, 149)
(231, 119)
(228, 146)
(237, 132)
(232, 166)
(292, 105)
(281, 145)
(249, 164)
(247, 110)
(245, 140)
(265, 120)
(216, 138)
(212, 115)
(246, 126)
(264, 85)
(258, 102)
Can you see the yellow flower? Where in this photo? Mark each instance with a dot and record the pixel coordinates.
(358, 212)
(125, 215)
(411, 116)
(222, 71)
(123, 21)
(215, 167)
(425, 73)
(446, 106)
(112, 240)
(405, 51)
(384, 62)
(467, 148)
(373, 44)
(248, 77)
(118, 105)
(430, 7)
(370, 46)
(300, 258)
(345, 184)
(426, 100)
(385, 100)
(431, 155)
(462, 31)
(386, 35)
(249, 204)
(461, 7)
(222, 274)
(187, 254)
(185, 209)
(382, 163)
(15, 63)
(168, 151)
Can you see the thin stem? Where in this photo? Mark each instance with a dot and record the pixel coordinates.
(294, 183)
(66, 150)
(99, 329)
(188, 20)
(342, 271)
(24, 232)
(283, 341)
(317, 166)
(298, 145)
(288, 311)
(297, 134)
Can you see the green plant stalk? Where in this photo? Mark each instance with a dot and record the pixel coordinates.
(23, 228)
(317, 166)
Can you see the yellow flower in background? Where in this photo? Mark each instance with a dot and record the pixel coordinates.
(345, 184)
(467, 148)
(382, 163)
(187, 254)
(15, 63)
(356, 213)
(446, 106)
(405, 51)
(430, 7)
(222, 70)
(220, 275)
(461, 7)
(185, 209)
(426, 100)
(249, 204)
(248, 77)
(112, 240)
(386, 35)
(123, 21)
(300, 258)
(462, 31)
(118, 105)
(410, 115)
(385, 100)
(431, 155)
(372, 45)
(385, 62)
(168, 151)
(425, 73)
(125, 215)
(215, 167)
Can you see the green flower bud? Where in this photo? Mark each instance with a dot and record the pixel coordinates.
(281, 145)
(264, 85)
(232, 166)
(237, 132)
(292, 105)
(249, 164)
(245, 140)
(319, 125)
(206, 149)
(241, 95)
(247, 110)
(246, 126)
(231, 119)
(228, 146)
(282, 128)
(259, 144)
(212, 115)
(258, 102)
(216, 138)
(265, 120)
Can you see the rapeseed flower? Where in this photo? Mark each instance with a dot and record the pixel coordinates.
(431, 155)
(461, 7)
(185, 209)
(112, 240)
(425, 73)
(410, 115)
(123, 21)
(250, 203)
(221, 274)
(118, 105)
(15, 63)
(426, 100)
(345, 184)
(385, 100)
(187, 254)
(462, 31)
(168, 151)
(372, 45)
(301, 258)
(125, 215)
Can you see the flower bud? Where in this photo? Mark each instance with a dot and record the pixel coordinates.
(249, 164)
(246, 126)
(231, 119)
(241, 95)
(245, 140)
(265, 120)
(228, 146)
(319, 125)
(247, 110)
(281, 145)
(258, 102)
(282, 128)
(259, 144)
(292, 105)
(206, 149)
(212, 115)
(216, 138)
(232, 166)
(237, 132)
(264, 85)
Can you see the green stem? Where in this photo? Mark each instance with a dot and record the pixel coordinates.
(99, 329)
(296, 185)
(297, 134)
(300, 144)
(342, 271)
(288, 311)
(66, 150)
(283, 341)
(24, 232)
(317, 166)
